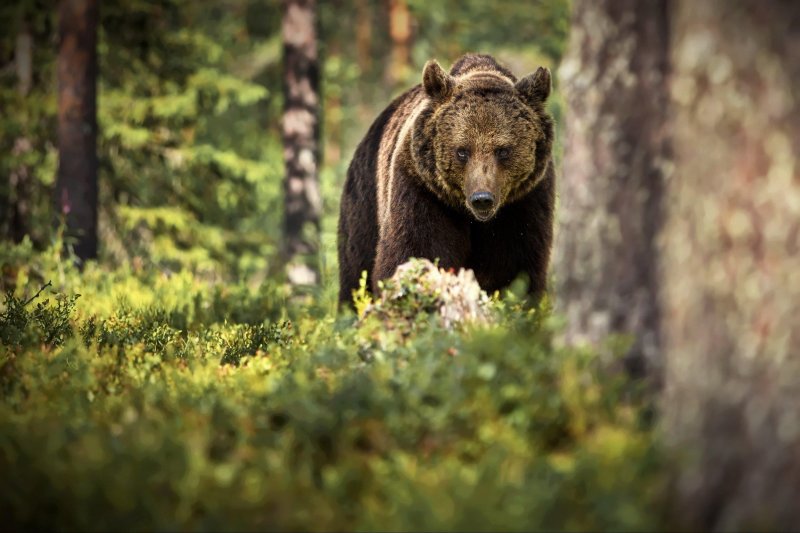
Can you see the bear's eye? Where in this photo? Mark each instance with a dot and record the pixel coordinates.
(462, 154)
(502, 153)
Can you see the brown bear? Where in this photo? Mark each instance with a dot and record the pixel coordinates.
(458, 168)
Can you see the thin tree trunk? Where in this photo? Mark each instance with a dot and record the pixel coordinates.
(76, 184)
(368, 45)
(400, 33)
(20, 177)
(732, 263)
(364, 36)
(614, 79)
(300, 129)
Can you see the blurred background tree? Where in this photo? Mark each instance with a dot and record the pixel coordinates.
(76, 184)
(28, 119)
(693, 255)
(399, 62)
(611, 187)
(300, 134)
(731, 263)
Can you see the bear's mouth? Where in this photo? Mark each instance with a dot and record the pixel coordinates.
(482, 215)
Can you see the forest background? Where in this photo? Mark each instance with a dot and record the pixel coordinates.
(182, 364)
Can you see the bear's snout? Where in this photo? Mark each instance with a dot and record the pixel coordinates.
(482, 188)
(482, 201)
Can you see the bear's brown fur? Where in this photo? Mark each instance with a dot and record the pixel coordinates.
(458, 168)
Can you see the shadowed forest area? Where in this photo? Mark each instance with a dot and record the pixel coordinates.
(172, 351)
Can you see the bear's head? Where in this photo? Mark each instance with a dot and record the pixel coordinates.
(483, 139)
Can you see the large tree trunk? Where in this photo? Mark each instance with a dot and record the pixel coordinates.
(301, 140)
(76, 185)
(614, 79)
(732, 263)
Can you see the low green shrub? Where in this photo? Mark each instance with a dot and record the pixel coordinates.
(168, 413)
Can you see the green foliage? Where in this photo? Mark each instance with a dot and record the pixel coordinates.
(44, 324)
(28, 118)
(159, 416)
(188, 193)
(448, 28)
(185, 182)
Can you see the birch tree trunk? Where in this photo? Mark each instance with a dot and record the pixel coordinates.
(732, 263)
(76, 183)
(614, 80)
(300, 130)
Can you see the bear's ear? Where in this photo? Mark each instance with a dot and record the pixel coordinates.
(438, 84)
(535, 88)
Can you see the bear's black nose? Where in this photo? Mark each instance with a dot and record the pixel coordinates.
(482, 201)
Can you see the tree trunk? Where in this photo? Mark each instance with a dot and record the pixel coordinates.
(364, 36)
(76, 184)
(20, 176)
(732, 263)
(300, 130)
(400, 33)
(614, 79)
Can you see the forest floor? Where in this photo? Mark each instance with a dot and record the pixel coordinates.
(138, 399)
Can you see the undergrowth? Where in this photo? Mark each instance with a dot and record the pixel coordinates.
(139, 400)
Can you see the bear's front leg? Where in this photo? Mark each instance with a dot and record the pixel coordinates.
(418, 224)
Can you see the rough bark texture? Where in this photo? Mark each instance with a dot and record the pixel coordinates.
(614, 80)
(76, 185)
(732, 263)
(300, 130)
